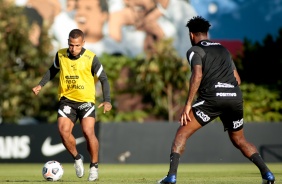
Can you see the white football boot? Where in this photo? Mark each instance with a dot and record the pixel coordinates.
(78, 165)
(93, 174)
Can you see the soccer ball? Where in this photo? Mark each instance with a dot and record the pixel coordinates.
(52, 170)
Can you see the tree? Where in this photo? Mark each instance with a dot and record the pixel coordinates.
(261, 63)
(162, 79)
(21, 64)
(119, 70)
(259, 67)
(261, 104)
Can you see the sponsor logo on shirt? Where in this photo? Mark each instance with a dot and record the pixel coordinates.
(72, 77)
(223, 85)
(205, 43)
(87, 56)
(226, 94)
(75, 86)
(72, 83)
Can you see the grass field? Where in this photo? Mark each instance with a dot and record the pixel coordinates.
(144, 173)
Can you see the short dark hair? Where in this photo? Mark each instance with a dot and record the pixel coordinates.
(198, 24)
(75, 33)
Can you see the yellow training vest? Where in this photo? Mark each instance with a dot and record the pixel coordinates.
(76, 80)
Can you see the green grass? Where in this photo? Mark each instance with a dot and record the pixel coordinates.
(143, 173)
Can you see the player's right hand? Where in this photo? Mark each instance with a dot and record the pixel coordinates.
(36, 89)
(185, 117)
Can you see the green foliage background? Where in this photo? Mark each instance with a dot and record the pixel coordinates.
(259, 67)
(160, 78)
(21, 64)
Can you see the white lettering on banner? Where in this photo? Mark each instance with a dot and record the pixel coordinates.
(49, 149)
(14, 147)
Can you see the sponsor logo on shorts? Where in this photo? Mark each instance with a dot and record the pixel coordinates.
(203, 116)
(67, 109)
(223, 85)
(226, 94)
(237, 124)
(85, 106)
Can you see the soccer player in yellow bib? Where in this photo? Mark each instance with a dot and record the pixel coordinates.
(79, 69)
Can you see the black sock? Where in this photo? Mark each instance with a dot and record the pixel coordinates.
(94, 165)
(174, 161)
(77, 157)
(258, 161)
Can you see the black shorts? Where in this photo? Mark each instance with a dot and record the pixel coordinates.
(230, 112)
(75, 110)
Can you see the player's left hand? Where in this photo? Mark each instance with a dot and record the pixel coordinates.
(107, 106)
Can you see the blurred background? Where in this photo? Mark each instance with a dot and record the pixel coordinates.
(142, 45)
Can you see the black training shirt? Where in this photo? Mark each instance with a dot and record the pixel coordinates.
(218, 80)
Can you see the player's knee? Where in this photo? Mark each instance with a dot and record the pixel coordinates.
(88, 133)
(64, 133)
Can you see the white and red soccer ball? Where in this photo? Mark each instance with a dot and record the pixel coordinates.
(52, 170)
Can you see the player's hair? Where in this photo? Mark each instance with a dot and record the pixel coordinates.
(198, 24)
(75, 33)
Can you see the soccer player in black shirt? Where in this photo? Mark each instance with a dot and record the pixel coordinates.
(215, 79)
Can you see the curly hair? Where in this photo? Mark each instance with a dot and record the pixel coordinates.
(198, 24)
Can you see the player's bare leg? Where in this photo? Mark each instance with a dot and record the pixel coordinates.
(88, 129)
(183, 133)
(87, 125)
(65, 126)
(178, 147)
(239, 141)
(250, 151)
